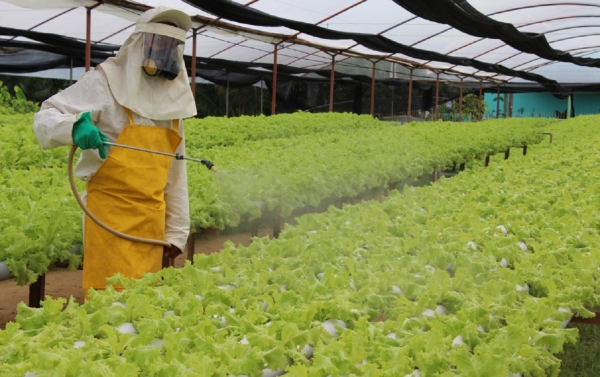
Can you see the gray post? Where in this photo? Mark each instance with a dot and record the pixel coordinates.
(261, 95)
(227, 97)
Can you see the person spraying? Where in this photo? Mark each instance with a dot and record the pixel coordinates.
(137, 98)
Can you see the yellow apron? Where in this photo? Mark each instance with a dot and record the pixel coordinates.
(127, 194)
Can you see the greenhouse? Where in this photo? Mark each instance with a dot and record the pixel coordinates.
(395, 188)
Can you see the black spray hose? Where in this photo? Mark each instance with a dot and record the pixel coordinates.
(206, 163)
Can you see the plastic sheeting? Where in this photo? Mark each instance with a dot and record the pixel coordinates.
(528, 36)
(462, 16)
(243, 14)
(55, 52)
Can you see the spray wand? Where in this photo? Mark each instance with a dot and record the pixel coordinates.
(177, 156)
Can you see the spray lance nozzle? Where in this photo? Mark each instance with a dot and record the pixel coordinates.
(209, 165)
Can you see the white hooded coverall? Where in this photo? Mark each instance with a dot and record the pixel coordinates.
(116, 84)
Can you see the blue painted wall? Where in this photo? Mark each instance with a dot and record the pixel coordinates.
(544, 104)
(587, 103)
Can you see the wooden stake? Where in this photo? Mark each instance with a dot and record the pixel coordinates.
(37, 292)
(277, 226)
(191, 246)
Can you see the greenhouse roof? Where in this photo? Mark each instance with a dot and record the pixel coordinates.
(547, 42)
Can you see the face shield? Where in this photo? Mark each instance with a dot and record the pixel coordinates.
(162, 49)
(160, 55)
(155, 98)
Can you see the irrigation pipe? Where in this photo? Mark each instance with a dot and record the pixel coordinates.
(4, 272)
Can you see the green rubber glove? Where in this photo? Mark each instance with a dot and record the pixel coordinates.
(87, 136)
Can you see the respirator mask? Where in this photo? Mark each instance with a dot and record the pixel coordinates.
(160, 55)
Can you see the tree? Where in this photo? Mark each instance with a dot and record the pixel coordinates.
(10, 104)
(470, 108)
(35, 89)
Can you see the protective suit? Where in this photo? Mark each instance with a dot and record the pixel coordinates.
(137, 193)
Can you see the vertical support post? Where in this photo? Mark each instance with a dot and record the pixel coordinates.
(191, 246)
(480, 100)
(331, 83)
(274, 91)
(227, 97)
(507, 154)
(524, 150)
(393, 77)
(277, 226)
(487, 160)
(460, 102)
(37, 291)
(193, 67)
(88, 35)
(434, 176)
(88, 39)
(568, 107)
(168, 262)
(498, 103)
(373, 89)
(261, 96)
(410, 86)
(254, 228)
(437, 95)
(71, 73)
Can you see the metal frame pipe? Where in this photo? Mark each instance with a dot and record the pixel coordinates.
(331, 83)
(372, 110)
(498, 103)
(274, 90)
(227, 97)
(194, 65)
(437, 95)
(480, 100)
(88, 42)
(410, 87)
(261, 95)
(88, 35)
(460, 102)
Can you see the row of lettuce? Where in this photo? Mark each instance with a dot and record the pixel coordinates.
(472, 276)
(277, 163)
(283, 174)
